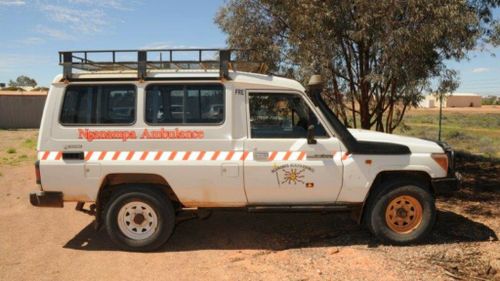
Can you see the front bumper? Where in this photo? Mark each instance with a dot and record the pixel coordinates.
(47, 199)
(447, 185)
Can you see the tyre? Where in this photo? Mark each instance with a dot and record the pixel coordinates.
(139, 219)
(403, 212)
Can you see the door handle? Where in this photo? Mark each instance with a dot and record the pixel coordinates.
(72, 155)
(260, 155)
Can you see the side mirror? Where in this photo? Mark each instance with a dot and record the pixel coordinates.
(310, 135)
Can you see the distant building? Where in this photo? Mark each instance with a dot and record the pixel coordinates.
(21, 109)
(428, 102)
(27, 88)
(455, 100)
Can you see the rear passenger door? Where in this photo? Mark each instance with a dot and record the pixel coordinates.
(282, 168)
(204, 170)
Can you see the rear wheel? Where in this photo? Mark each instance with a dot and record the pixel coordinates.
(402, 212)
(139, 219)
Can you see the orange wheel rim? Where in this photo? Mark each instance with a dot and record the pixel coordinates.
(403, 214)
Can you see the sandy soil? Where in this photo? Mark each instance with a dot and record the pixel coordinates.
(61, 244)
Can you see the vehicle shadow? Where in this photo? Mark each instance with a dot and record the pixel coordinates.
(481, 175)
(279, 231)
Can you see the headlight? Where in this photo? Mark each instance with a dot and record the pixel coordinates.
(441, 159)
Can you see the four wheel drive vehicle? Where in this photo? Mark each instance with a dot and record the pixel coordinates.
(144, 141)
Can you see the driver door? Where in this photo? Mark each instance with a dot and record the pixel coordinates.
(281, 167)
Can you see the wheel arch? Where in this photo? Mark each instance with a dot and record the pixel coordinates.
(116, 181)
(384, 176)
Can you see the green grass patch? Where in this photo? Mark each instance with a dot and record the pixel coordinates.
(11, 150)
(476, 133)
(29, 144)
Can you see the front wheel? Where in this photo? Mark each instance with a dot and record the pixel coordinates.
(403, 213)
(139, 219)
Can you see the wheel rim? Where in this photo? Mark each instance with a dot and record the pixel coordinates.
(137, 220)
(403, 214)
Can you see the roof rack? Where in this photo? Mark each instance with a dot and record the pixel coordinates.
(145, 61)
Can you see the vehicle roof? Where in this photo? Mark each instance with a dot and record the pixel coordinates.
(240, 78)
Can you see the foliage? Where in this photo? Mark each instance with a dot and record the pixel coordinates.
(377, 57)
(448, 83)
(23, 81)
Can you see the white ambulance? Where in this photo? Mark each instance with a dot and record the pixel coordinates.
(143, 136)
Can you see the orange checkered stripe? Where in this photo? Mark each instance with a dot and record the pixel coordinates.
(175, 155)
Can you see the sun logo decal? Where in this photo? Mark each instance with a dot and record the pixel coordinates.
(293, 176)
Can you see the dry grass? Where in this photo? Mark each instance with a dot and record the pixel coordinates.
(466, 129)
(17, 146)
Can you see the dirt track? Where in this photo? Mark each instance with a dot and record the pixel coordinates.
(61, 244)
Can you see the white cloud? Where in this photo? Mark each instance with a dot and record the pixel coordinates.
(113, 4)
(31, 41)
(480, 70)
(82, 17)
(54, 33)
(85, 21)
(12, 3)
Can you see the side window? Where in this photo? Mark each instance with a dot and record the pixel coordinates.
(98, 104)
(181, 104)
(281, 116)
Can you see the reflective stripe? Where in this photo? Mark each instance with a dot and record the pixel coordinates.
(158, 155)
(244, 155)
(103, 154)
(89, 154)
(201, 155)
(273, 155)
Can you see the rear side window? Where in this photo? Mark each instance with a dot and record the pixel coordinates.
(98, 104)
(184, 104)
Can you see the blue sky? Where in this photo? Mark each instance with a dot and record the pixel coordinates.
(32, 32)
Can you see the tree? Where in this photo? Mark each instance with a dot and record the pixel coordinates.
(23, 81)
(448, 83)
(377, 57)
